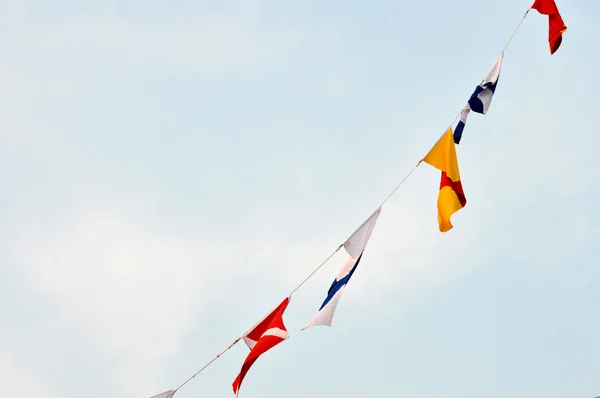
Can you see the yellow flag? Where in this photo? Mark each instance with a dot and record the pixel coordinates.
(443, 156)
(451, 197)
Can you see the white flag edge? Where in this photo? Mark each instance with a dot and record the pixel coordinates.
(167, 394)
(357, 242)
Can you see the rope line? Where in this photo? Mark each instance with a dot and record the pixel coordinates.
(516, 30)
(209, 363)
(316, 269)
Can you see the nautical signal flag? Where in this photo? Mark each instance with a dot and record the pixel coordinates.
(481, 99)
(556, 24)
(355, 246)
(451, 197)
(168, 394)
(265, 335)
(460, 126)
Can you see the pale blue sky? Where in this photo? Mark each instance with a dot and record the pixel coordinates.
(172, 171)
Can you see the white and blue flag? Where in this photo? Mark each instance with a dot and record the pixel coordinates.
(481, 98)
(460, 126)
(355, 246)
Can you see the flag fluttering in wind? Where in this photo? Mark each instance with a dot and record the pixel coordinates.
(265, 335)
(482, 96)
(460, 126)
(451, 197)
(481, 99)
(355, 246)
(168, 394)
(556, 24)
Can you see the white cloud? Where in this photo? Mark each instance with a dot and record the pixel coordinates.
(136, 293)
(211, 44)
(17, 378)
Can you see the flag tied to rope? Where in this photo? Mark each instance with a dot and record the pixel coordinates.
(265, 335)
(355, 246)
(168, 394)
(451, 197)
(556, 25)
(481, 99)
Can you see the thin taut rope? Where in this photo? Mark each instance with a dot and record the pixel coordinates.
(316, 269)
(210, 363)
(516, 30)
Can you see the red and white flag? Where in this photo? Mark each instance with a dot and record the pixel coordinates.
(261, 338)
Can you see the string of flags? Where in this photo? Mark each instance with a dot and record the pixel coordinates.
(271, 330)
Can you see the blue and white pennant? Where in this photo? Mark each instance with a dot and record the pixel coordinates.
(355, 246)
(481, 98)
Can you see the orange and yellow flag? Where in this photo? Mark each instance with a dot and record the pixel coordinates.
(451, 197)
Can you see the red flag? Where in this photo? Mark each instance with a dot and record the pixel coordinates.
(557, 26)
(261, 338)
